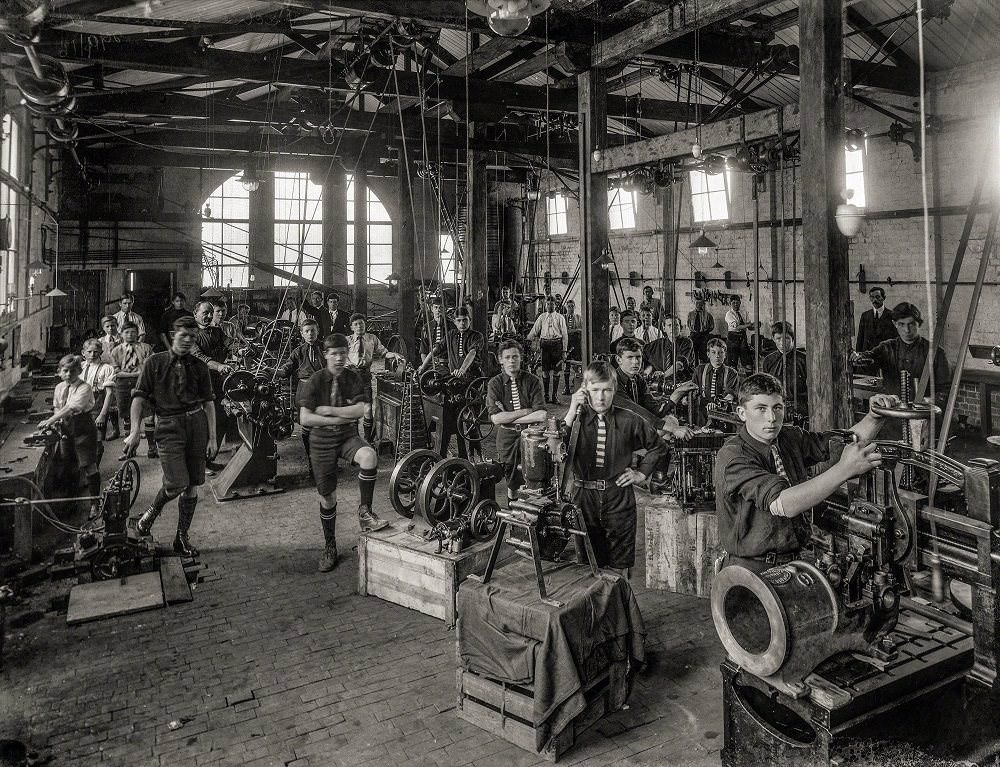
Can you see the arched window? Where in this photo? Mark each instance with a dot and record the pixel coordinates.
(298, 226)
(379, 238)
(225, 236)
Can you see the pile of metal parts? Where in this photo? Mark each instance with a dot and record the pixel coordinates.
(541, 522)
(870, 551)
(452, 499)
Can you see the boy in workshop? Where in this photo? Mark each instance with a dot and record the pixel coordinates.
(128, 358)
(72, 406)
(762, 476)
(101, 378)
(603, 437)
(717, 382)
(331, 403)
(363, 349)
(514, 399)
(459, 342)
(304, 360)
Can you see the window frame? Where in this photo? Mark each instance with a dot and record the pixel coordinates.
(381, 239)
(862, 154)
(556, 210)
(301, 209)
(225, 195)
(615, 204)
(707, 194)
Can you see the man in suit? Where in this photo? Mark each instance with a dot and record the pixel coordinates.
(339, 319)
(701, 325)
(876, 324)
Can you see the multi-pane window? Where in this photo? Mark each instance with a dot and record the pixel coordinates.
(855, 165)
(225, 236)
(449, 259)
(709, 196)
(379, 238)
(555, 214)
(10, 146)
(298, 227)
(622, 208)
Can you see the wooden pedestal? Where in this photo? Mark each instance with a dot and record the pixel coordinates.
(401, 568)
(681, 547)
(507, 710)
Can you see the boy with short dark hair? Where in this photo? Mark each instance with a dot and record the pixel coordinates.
(304, 360)
(762, 475)
(716, 380)
(603, 439)
(514, 398)
(788, 365)
(331, 403)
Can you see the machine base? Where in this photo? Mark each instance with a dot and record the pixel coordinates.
(849, 698)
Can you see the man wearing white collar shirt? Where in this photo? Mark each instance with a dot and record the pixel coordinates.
(125, 314)
(553, 337)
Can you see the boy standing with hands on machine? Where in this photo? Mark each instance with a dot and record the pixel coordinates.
(602, 439)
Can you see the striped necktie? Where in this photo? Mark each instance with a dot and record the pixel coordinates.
(602, 441)
(779, 465)
(461, 346)
(515, 395)
(712, 382)
(437, 332)
(131, 361)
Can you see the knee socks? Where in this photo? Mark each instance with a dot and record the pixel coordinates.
(162, 498)
(328, 519)
(545, 381)
(366, 485)
(368, 425)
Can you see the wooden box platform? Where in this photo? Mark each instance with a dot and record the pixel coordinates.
(401, 568)
(681, 547)
(506, 710)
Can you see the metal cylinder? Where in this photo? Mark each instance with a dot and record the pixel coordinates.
(780, 620)
(536, 460)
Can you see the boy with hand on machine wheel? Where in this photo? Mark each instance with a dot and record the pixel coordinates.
(331, 404)
(514, 398)
(762, 481)
(601, 457)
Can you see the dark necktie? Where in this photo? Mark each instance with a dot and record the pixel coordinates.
(180, 379)
(335, 392)
(131, 360)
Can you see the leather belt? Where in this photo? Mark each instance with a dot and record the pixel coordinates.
(178, 415)
(513, 426)
(596, 484)
(773, 557)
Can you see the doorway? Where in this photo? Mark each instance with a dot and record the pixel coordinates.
(153, 289)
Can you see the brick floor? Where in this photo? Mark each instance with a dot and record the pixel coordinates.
(276, 664)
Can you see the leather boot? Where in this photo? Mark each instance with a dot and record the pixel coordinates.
(329, 559)
(545, 389)
(566, 380)
(151, 445)
(145, 523)
(555, 389)
(185, 513)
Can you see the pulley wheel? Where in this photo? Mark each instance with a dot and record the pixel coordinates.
(918, 411)
(431, 382)
(470, 422)
(239, 386)
(484, 520)
(58, 109)
(114, 561)
(48, 90)
(70, 133)
(450, 490)
(129, 476)
(404, 483)
(476, 389)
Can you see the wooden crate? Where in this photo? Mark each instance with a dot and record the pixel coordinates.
(681, 547)
(506, 710)
(401, 568)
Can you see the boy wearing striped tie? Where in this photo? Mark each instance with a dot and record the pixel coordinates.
(601, 458)
(331, 403)
(762, 475)
(514, 398)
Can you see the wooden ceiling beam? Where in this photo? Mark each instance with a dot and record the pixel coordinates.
(668, 25)
(485, 54)
(879, 40)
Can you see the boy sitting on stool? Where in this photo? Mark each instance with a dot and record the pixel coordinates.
(331, 404)
(601, 455)
(762, 480)
(514, 398)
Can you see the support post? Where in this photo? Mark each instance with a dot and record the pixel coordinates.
(405, 252)
(335, 230)
(361, 241)
(476, 279)
(261, 232)
(821, 97)
(669, 198)
(592, 97)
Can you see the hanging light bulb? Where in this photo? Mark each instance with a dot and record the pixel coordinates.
(251, 178)
(508, 18)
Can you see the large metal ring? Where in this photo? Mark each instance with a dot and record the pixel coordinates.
(432, 382)
(239, 386)
(406, 478)
(918, 411)
(48, 90)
